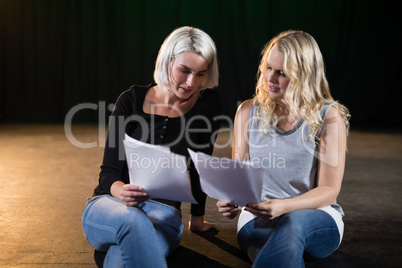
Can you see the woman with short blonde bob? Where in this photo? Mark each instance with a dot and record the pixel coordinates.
(297, 132)
(121, 221)
(187, 39)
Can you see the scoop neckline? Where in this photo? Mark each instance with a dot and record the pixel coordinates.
(290, 131)
(164, 116)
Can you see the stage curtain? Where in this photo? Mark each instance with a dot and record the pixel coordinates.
(56, 54)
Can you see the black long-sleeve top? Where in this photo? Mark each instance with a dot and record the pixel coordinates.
(197, 130)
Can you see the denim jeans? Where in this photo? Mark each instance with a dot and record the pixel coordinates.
(289, 239)
(132, 236)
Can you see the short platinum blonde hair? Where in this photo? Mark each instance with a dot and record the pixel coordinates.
(187, 39)
(308, 88)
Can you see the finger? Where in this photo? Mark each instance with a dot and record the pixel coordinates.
(232, 205)
(252, 205)
(129, 188)
(135, 198)
(134, 202)
(135, 193)
(132, 187)
(227, 214)
(263, 214)
(139, 194)
(252, 210)
(232, 213)
(131, 203)
(225, 209)
(222, 203)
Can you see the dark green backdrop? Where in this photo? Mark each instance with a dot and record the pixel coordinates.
(55, 54)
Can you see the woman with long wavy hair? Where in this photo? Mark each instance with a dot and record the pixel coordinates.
(297, 132)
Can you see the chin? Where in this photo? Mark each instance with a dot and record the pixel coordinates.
(275, 96)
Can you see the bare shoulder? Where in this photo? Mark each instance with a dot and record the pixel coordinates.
(246, 104)
(244, 108)
(333, 116)
(334, 125)
(333, 112)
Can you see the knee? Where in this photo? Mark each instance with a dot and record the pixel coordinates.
(291, 226)
(249, 244)
(253, 236)
(133, 221)
(133, 218)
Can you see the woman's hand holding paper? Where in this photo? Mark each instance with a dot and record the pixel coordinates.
(131, 195)
(228, 209)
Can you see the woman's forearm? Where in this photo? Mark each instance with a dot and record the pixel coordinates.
(316, 198)
(115, 189)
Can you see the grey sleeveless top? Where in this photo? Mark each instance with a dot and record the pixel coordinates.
(288, 157)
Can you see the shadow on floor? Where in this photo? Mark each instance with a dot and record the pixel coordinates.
(211, 236)
(184, 257)
(343, 260)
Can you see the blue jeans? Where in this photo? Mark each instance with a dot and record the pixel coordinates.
(289, 239)
(132, 236)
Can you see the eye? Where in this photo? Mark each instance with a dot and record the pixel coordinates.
(281, 73)
(201, 74)
(185, 71)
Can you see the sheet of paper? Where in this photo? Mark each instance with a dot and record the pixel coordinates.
(244, 218)
(225, 179)
(160, 172)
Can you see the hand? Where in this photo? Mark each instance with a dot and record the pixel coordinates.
(268, 209)
(197, 224)
(133, 195)
(228, 209)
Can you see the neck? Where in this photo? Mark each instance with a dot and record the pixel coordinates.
(168, 97)
(286, 121)
(282, 109)
(166, 103)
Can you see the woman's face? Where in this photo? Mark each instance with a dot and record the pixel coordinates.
(276, 79)
(188, 71)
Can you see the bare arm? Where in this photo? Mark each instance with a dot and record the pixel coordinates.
(240, 132)
(239, 151)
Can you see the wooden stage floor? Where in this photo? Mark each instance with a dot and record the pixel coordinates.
(45, 180)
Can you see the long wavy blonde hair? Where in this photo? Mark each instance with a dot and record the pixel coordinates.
(308, 88)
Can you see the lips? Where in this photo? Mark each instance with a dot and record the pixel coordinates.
(186, 89)
(273, 88)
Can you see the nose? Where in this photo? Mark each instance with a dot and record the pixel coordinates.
(271, 77)
(190, 80)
